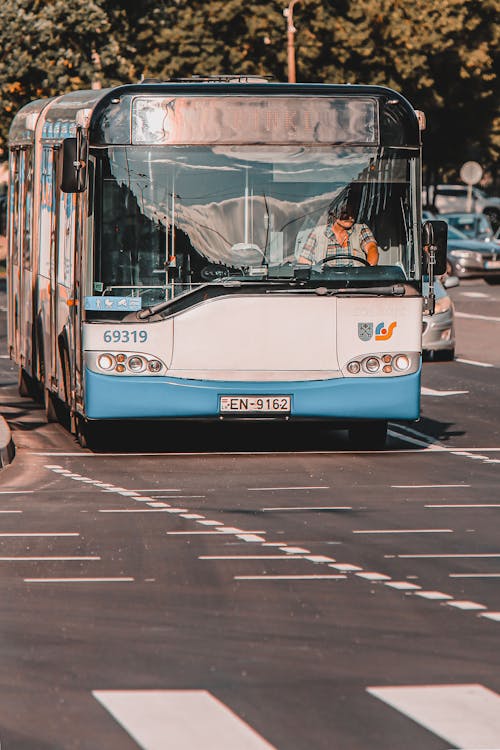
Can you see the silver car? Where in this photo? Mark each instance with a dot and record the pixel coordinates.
(469, 258)
(438, 330)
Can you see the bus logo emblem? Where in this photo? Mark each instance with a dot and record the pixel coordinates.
(365, 331)
(383, 333)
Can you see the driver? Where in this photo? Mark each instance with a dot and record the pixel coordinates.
(342, 235)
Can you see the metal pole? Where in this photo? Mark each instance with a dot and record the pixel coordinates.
(288, 13)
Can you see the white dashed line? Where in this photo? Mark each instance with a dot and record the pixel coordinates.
(78, 580)
(473, 362)
(402, 531)
(466, 605)
(403, 585)
(289, 578)
(474, 575)
(436, 595)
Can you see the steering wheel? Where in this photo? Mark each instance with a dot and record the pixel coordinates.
(328, 258)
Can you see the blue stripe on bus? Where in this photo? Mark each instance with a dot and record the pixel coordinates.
(124, 397)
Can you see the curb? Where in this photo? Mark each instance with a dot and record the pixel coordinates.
(7, 447)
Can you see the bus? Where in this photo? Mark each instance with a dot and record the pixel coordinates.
(156, 235)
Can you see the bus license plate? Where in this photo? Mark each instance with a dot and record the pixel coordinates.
(255, 404)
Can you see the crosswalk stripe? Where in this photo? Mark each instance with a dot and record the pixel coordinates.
(465, 716)
(190, 719)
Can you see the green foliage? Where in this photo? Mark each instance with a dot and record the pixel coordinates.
(441, 54)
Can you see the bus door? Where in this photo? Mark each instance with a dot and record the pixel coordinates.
(14, 243)
(63, 269)
(20, 277)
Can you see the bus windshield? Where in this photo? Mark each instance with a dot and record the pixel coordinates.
(168, 218)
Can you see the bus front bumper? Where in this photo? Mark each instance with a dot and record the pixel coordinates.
(133, 397)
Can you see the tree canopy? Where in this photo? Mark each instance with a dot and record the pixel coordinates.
(441, 54)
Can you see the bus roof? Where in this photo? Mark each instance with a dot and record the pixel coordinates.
(398, 124)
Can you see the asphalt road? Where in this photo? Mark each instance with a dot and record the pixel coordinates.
(253, 587)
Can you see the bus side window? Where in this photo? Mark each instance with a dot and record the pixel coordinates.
(47, 213)
(28, 203)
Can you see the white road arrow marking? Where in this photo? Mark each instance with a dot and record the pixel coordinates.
(179, 719)
(465, 716)
(431, 392)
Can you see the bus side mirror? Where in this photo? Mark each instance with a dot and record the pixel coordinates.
(74, 165)
(435, 235)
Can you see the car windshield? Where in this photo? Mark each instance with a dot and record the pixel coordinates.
(472, 225)
(455, 234)
(171, 217)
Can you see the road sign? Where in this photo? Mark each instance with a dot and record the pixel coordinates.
(471, 172)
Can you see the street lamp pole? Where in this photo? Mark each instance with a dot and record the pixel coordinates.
(288, 13)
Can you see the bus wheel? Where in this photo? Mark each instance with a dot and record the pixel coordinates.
(25, 384)
(370, 436)
(50, 407)
(86, 432)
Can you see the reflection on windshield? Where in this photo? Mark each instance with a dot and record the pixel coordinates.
(174, 217)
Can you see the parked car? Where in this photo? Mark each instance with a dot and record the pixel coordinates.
(438, 330)
(469, 258)
(454, 199)
(475, 226)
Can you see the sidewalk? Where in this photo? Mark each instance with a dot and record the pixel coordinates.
(7, 448)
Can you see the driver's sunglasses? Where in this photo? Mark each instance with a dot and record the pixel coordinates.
(346, 216)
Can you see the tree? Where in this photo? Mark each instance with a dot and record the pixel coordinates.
(59, 45)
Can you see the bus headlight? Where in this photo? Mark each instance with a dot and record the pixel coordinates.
(106, 361)
(353, 368)
(136, 364)
(372, 364)
(401, 362)
(154, 365)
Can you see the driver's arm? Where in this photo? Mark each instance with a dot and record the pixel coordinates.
(371, 250)
(369, 245)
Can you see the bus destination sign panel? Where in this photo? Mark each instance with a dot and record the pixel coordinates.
(246, 120)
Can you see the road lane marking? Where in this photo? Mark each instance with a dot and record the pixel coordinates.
(491, 616)
(17, 492)
(465, 716)
(272, 489)
(289, 578)
(212, 533)
(374, 576)
(434, 595)
(403, 585)
(432, 392)
(427, 486)
(466, 605)
(295, 550)
(309, 508)
(133, 510)
(465, 505)
(79, 580)
(341, 452)
(251, 557)
(180, 719)
(11, 511)
(403, 531)
(456, 554)
(474, 575)
(475, 295)
(344, 566)
(477, 317)
(250, 538)
(36, 533)
(473, 362)
(48, 559)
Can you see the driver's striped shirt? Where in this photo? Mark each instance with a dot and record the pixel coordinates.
(322, 243)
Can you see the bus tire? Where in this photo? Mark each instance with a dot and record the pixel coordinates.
(370, 436)
(50, 406)
(86, 432)
(25, 384)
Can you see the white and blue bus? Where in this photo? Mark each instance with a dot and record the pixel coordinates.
(156, 270)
